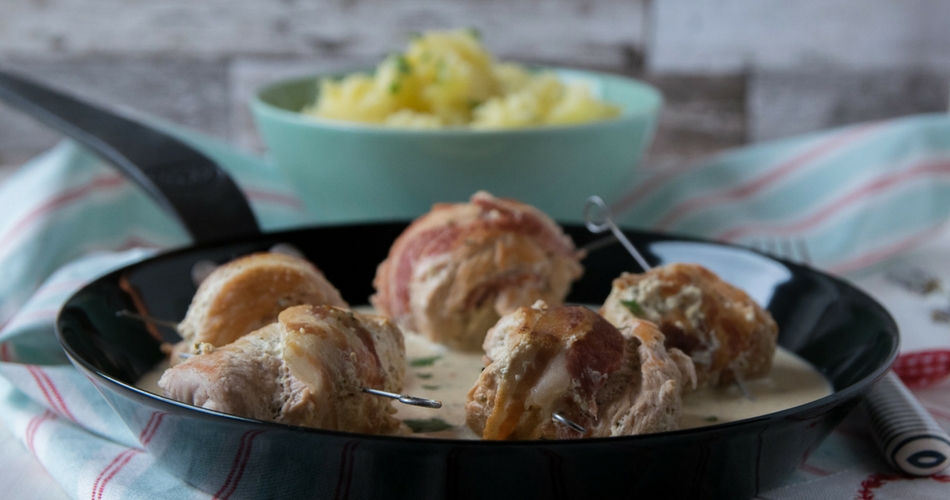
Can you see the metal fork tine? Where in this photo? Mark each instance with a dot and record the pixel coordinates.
(793, 249)
(803, 251)
(786, 248)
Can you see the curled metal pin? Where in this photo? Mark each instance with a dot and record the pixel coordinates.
(740, 384)
(160, 322)
(597, 218)
(561, 419)
(404, 399)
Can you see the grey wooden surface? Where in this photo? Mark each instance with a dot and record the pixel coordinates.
(733, 71)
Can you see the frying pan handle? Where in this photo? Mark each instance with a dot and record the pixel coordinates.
(181, 179)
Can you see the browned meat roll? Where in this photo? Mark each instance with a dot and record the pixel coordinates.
(726, 333)
(457, 269)
(248, 293)
(569, 360)
(645, 394)
(306, 369)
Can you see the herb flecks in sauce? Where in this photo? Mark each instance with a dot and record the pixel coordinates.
(427, 361)
(427, 425)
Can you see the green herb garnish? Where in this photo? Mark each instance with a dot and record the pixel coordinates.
(402, 64)
(424, 376)
(424, 361)
(394, 88)
(427, 425)
(475, 33)
(441, 71)
(430, 387)
(633, 306)
(711, 418)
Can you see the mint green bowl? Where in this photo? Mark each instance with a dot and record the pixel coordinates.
(347, 172)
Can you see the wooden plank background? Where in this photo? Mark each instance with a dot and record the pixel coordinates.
(732, 71)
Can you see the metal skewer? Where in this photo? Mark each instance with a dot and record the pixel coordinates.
(161, 322)
(561, 419)
(404, 399)
(598, 219)
(741, 384)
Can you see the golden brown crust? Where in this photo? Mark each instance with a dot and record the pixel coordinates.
(457, 269)
(724, 331)
(306, 369)
(248, 293)
(543, 361)
(645, 395)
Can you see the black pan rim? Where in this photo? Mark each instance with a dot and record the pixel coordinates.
(837, 398)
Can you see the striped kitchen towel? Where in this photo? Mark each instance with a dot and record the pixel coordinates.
(858, 195)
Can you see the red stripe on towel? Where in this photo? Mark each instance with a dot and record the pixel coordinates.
(771, 176)
(110, 472)
(39, 314)
(928, 168)
(50, 392)
(237, 467)
(135, 242)
(811, 469)
(154, 422)
(58, 287)
(879, 254)
(31, 429)
(646, 187)
(274, 198)
(938, 413)
(101, 183)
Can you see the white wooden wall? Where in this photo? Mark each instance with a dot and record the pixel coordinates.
(733, 71)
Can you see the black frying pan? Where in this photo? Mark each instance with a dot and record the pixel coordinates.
(840, 330)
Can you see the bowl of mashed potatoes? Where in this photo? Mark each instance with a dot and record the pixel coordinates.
(444, 119)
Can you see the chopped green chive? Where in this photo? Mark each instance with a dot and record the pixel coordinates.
(633, 306)
(424, 361)
(424, 376)
(402, 64)
(431, 387)
(427, 425)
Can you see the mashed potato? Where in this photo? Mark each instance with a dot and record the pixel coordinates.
(448, 79)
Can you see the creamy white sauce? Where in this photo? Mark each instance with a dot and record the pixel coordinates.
(436, 372)
(149, 381)
(791, 382)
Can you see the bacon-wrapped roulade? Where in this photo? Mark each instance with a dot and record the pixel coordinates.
(457, 269)
(307, 369)
(248, 293)
(726, 333)
(571, 361)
